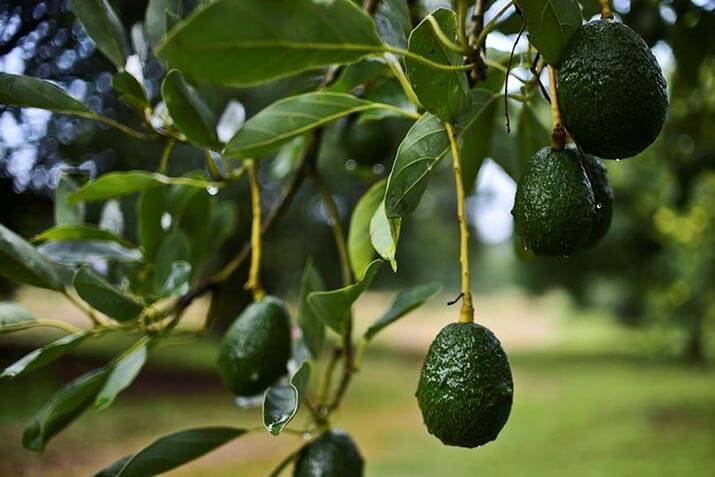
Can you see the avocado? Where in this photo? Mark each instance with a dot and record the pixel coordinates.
(612, 94)
(554, 209)
(333, 454)
(255, 350)
(602, 194)
(465, 390)
(368, 142)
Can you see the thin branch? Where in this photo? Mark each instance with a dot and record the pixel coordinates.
(254, 282)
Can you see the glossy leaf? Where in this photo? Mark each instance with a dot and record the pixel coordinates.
(104, 297)
(405, 302)
(116, 184)
(384, 235)
(161, 16)
(71, 232)
(79, 252)
(63, 408)
(393, 22)
(190, 114)
(550, 24)
(22, 263)
(14, 317)
(179, 280)
(312, 327)
(291, 117)
(172, 451)
(358, 74)
(176, 247)
(333, 307)
(476, 141)
(122, 373)
(387, 91)
(43, 356)
(281, 402)
(130, 90)
(112, 218)
(275, 39)
(150, 209)
(360, 248)
(66, 211)
(103, 26)
(443, 93)
(28, 92)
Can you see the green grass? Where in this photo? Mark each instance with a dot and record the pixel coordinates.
(594, 404)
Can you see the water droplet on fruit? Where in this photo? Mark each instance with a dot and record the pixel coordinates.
(212, 190)
(599, 206)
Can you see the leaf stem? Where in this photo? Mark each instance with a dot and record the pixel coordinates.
(466, 314)
(461, 25)
(121, 127)
(254, 282)
(77, 302)
(399, 74)
(164, 161)
(60, 325)
(606, 13)
(425, 61)
(442, 36)
(558, 134)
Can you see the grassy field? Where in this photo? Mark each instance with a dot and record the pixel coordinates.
(590, 400)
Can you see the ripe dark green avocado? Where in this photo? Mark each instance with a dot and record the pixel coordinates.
(333, 454)
(465, 390)
(612, 93)
(554, 209)
(256, 348)
(602, 194)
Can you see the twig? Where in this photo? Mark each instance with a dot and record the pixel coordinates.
(506, 80)
(254, 282)
(558, 133)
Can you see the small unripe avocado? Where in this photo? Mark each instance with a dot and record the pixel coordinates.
(333, 454)
(554, 208)
(612, 93)
(255, 350)
(602, 194)
(466, 389)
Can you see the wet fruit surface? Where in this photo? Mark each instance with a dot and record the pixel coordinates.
(465, 390)
(603, 195)
(333, 454)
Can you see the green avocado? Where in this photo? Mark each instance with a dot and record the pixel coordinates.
(612, 94)
(333, 454)
(255, 350)
(465, 390)
(368, 142)
(554, 209)
(602, 194)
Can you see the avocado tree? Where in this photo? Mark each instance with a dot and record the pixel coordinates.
(607, 98)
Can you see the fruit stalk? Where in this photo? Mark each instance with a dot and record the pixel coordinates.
(606, 12)
(558, 133)
(254, 284)
(466, 314)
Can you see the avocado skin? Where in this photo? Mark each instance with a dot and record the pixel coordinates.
(256, 347)
(554, 208)
(602, 194)
(612, 94)
(465, 390)
(333, 454)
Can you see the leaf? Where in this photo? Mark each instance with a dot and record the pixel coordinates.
(14, 317)
(276, 39)
(122, 373)
(79, 252)
(103, 26)
(22, 263)
(281, 402)
(179, 280)
(43, 356)
(443, 93)
(312, 327)
(106, 298)
(476, 142)
(387, 91)
(424, 145)
(150, 209)
(67, 212)
(358, 74)
(176, 247)
(333, 307)
(72, 232)
(63, 408)
(190, 114)
(160, 16)
(130, 90)
(550, 24)
(172, 451)
(116, 184)
(405, 302)
(291, 117)
(28, 92)
(393, 22)
(384, 235)
(360, 247)
(112, 218)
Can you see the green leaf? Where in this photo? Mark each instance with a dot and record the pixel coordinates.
(333, 307)
(360, 247)
(281, 402)
(179, 280)
(22, 263)
(28, 92)
(104, 297)
(384, 235)
(79, 252)
(420, 151)
(73, 232)
(172, 451)
(405, 302)
(14, 317)
(63, 408)
(358, 74)
(550, 24)
(190, 114)
(161, 16)
(112, 218)
(176, 247)
(476, 142)
(443, 93)
(276, 39)
(122, 373)
(291, 117)
(393, 22)
(103, 26)
(43, 356)
(130, 90)
(67, 212)
(150, 209)
(387, 91)
(116, 184)
(312, 327)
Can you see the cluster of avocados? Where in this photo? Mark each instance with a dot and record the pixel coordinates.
(613, 100)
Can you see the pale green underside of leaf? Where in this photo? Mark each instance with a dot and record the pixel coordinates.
(384, 235)
(122, 373)
(281, 402)
(73, 232)
(360, 249)
(14, 317)
(116, 184)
